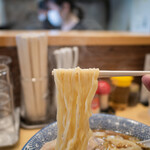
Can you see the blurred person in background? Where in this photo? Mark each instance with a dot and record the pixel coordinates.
(42, 11)
(60, 14)
(42, 16)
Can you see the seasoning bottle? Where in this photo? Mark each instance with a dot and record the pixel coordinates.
(104, 90)
(95, 102)
(120, 93)
(134, 94)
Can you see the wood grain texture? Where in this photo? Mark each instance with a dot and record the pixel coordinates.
(79, 38)
(113, 58)
(103, 57)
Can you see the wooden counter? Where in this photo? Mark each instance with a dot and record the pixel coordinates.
(138, 113)
(79, 38)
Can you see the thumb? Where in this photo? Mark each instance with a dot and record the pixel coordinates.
(146, 81)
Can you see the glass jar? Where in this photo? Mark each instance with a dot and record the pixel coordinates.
(35, 102)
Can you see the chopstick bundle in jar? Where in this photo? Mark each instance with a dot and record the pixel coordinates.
(43, 46)
(32, 52)
(25, 67)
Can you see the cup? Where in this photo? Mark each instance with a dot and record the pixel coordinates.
(6, 107)
(4, 73)
(5, 79)
(5, 60)
(5, 76)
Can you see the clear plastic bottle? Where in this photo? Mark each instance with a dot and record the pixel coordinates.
(104, 90)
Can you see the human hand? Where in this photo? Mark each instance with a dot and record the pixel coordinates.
(146, 81)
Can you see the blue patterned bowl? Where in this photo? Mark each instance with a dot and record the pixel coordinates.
(99, 121)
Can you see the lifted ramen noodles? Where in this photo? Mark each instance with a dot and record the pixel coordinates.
(75, 91)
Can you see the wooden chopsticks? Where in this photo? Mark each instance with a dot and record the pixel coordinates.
(108, 73)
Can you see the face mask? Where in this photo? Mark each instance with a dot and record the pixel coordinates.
(42, 17)
(54, 18)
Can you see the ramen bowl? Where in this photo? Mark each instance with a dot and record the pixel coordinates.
(98, 121)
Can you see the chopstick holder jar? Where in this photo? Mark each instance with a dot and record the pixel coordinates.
(35, 101)
(33, 60)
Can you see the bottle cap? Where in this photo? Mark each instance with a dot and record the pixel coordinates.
(97, 91)
(103, 87)
(122, 81)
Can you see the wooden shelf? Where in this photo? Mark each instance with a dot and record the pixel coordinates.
(79, 38)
